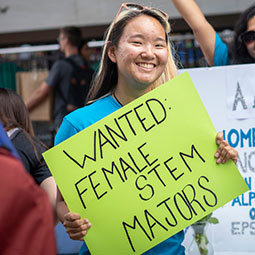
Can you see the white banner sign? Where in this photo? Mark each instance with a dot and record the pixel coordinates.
(228, 94)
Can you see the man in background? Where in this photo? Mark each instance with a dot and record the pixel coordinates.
(60, 76)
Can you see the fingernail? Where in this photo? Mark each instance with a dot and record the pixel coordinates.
(218, 161)
(218, 141)
(217, 154)
(223, 161)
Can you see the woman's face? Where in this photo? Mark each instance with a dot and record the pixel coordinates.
(251, 45)
(141, 55)
(86, 52)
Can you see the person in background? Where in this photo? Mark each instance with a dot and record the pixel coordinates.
(90, 55)
(26, 218)
(6, 143)
(17, 123)
(136, 58)
(85, 51)
(217, 52)
(60, 76)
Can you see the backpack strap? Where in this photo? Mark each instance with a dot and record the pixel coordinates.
(74, 66)
(82, 73)
(72, 63)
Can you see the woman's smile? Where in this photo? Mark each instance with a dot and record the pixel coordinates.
(148, 66)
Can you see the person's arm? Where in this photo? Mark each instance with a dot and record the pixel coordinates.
(38, 96)
(76, 227)
(203, 31)
(225, 151)
(49, 185)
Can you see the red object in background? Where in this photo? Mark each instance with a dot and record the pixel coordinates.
(26, 218)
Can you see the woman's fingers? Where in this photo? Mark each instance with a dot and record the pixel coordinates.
(75, 226)
(75, 223)
(225, 151)
(222, 151)
(70, 216)
(77, 236)
(219, 137)
(233, 155)
(78, 233)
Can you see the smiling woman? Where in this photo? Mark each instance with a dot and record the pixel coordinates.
(141, 57)
(118, 37)
(136, 58)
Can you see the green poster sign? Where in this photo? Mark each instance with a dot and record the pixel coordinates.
(145, 172)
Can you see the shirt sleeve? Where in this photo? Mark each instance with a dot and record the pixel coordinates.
(41, 170)
(24, 159)
(221, 57)
(65, 131)
(54, 74)
(31, 157)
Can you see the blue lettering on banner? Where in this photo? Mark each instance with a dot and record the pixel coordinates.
(248, 182)
(247, 198)
(246, 162)
(252, 213)
(240, 137)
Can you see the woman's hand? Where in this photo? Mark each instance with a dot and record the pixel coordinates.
(225, 151)
(76, 227)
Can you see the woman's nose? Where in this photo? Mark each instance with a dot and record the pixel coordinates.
(148, 52)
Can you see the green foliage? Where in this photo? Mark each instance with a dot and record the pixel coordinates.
(208, 218)
(202, 241)
(213, 220)
(199, 233)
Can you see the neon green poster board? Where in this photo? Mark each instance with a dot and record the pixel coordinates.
(145, 172)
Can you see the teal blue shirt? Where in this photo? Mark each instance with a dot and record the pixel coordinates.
(86, 116)
(221, 57)
(83, 118)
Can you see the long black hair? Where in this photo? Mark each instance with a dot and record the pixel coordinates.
(14, 114)
(238, 51)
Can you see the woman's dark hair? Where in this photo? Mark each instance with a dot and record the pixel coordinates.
(106, 79)
(14, 114)
(238, 51)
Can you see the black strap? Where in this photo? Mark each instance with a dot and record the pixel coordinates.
(73, 65)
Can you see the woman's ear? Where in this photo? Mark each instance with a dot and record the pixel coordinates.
(112, 53)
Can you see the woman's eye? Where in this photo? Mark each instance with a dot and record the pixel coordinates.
(160, 45)
(137, 42)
